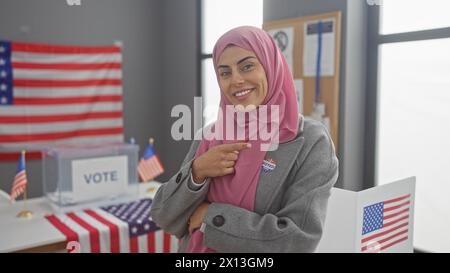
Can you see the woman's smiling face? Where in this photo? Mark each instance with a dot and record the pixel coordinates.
(242, 78)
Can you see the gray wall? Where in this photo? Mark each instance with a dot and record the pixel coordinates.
(179, 75)
(352, 76)
(160, 59)
(138, 23)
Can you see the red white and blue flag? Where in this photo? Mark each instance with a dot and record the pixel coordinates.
(385, 224)
(20, 179)
(150, 166)
(268, 165)
(122, 228)
(51, 94)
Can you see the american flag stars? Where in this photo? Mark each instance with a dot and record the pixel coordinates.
(64, 93)
(134, 230)
(117, 228)
(385, 224)
(373, 218)
(3, 75)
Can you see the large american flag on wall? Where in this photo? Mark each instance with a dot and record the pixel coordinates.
(118, 228)
(52, 94)
(385, 224)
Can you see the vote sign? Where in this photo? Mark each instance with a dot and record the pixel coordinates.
(96, 178)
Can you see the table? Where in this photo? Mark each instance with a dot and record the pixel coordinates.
(38, 234)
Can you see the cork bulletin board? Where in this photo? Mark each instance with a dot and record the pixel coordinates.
(329, 78)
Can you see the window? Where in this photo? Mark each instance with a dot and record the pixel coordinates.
(219, 16)
(413, 111)
(413, 15)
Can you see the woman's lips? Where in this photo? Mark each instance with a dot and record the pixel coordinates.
(243, 95)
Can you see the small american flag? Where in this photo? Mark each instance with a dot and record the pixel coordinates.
(20, 180)
(385, 224)
(125, 228)
(150, 166)
(52, 94)
(268, 165)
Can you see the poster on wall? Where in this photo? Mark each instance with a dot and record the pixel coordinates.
(284, 37)
(316, 38)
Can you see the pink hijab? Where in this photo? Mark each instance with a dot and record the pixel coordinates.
(239, 188)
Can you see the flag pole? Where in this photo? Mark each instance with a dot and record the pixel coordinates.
(25, 213)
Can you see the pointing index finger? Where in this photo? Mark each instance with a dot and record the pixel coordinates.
(237, 146)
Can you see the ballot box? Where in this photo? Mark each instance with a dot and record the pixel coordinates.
(379, 219)
(77, 175)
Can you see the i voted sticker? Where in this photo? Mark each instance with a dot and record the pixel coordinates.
(268, 165)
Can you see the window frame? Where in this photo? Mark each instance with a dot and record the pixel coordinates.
(374, 40)
(201, 55)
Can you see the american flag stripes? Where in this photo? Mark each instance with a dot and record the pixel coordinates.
(53, 94)
(120, 228)
(150, 166)
(268, 165)
(20, 179)
(385, 224)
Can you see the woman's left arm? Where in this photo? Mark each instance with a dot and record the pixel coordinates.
(296, 227)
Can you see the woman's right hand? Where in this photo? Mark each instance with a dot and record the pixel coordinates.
(217, 161)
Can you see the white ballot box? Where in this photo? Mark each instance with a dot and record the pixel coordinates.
(379, 219)
(74, 175)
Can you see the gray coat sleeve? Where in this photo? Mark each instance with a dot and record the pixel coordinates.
(175, 202)
(297, 226)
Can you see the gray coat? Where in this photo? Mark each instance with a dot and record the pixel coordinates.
(290, 205)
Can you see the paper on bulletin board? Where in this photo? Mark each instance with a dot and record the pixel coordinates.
(298, 83)
(310, 48)
(284, 37)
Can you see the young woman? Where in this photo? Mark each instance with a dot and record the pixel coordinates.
(231, 195)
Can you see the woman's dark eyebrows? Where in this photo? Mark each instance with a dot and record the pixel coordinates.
(244, 59)
(240, 61)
